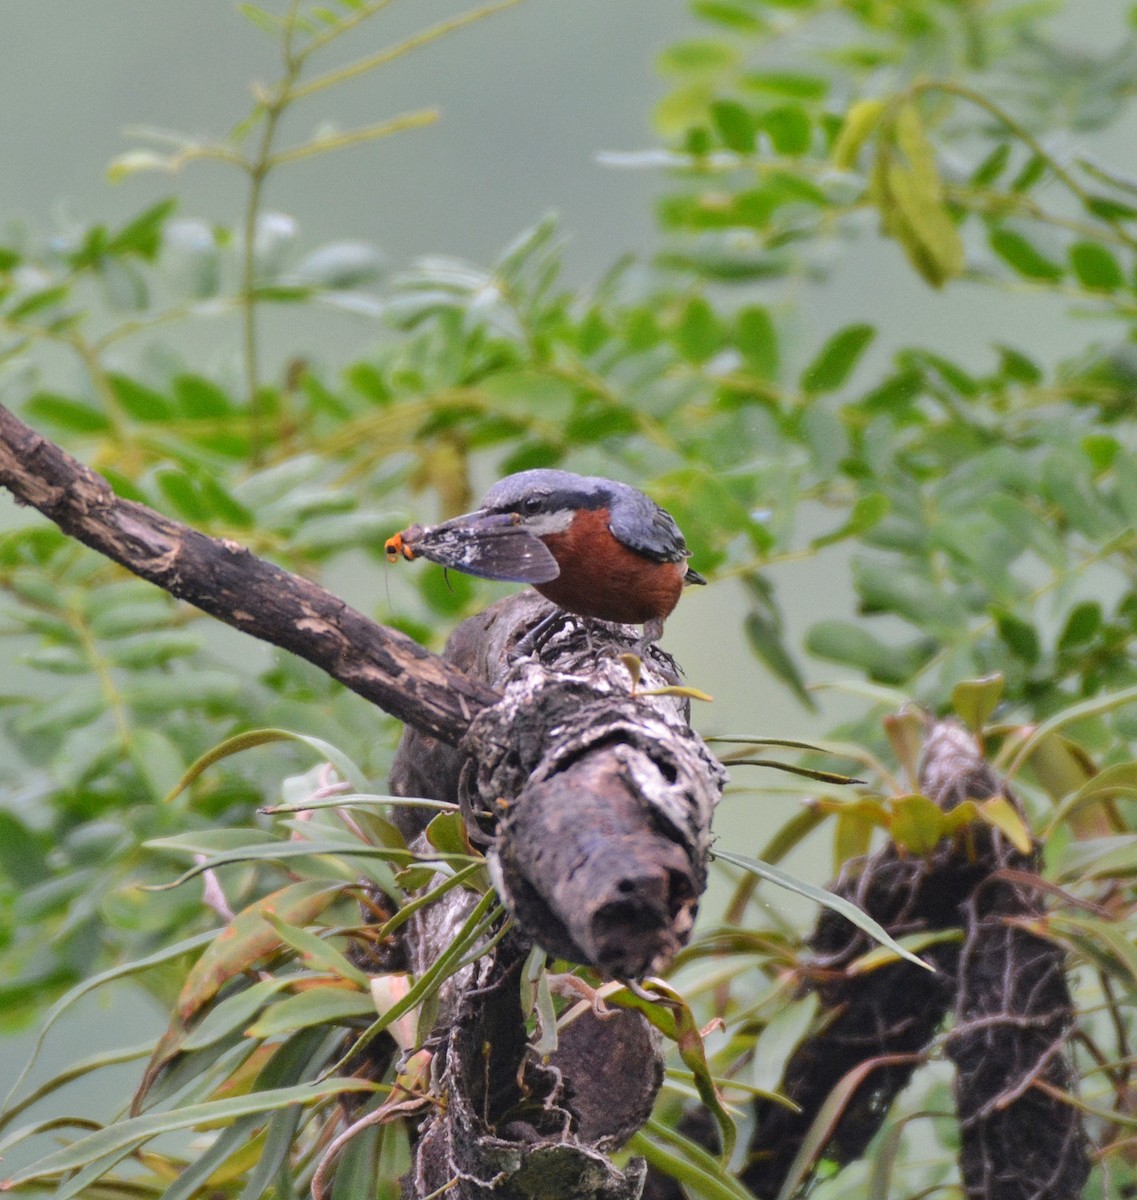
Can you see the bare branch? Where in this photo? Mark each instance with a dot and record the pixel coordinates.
(224, 579)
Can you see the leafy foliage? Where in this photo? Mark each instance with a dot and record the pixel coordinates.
(986, 511)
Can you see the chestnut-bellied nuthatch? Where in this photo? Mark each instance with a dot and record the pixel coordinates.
(595, 547)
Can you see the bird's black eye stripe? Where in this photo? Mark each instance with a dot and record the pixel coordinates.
(556, 501)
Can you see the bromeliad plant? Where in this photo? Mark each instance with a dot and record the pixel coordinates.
(299, 1033)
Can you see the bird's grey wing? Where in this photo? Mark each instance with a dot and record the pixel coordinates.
(507, 553)
(645, 527)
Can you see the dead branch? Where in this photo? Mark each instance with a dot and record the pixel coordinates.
(591, 798)
(224, 579)
(594, 804)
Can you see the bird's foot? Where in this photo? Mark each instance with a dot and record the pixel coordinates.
(538, 637)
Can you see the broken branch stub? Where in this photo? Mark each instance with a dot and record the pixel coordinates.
(595, 800)
(594, 806)
(593, 803)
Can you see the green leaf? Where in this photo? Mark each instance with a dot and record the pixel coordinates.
(1015, 365)
(1020, 636)
(830, 900)
(164, 955)
(699, 332)
(153, 649)
(37, 302)
(735, 126)
(845, 642)
(143, 235)
(687, 1162)
(1110, 209)
(22, 854)
(917, 823)
(757, 340)
(244, 942)
(249, 937)
(668, 1012)
(1102, 941)
(861, 121)
(138, 401)
(836, 360)
(65, 413)
(1096, 706)
(314, 1006)
(992, 166)
(73, 1070)
(885, 586)
(125, 1135)
(1034, 169)
(233, 1014)
(263, 737)
(881, 956)
(180, 491)
(157, 760)
(191, 1180)
(201, 399)
(787, 1027)
(696, 56)
(1095, 267)
(975, 699)
(789, 129)
(318, 954)
(821, 1131)
(1022, 257)
(1113, 782)
(766, 636)
(1001, 814)
(467, 942)
(868, 511)
(794, 85)
(1083, 623)
(181, 690)
(731, 13)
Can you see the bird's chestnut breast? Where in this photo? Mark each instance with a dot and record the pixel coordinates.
(601, 577)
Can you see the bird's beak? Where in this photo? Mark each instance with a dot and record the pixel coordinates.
(480, 521)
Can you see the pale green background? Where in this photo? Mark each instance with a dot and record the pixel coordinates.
(529, 99)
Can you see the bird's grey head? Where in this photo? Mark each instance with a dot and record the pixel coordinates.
(546, 499)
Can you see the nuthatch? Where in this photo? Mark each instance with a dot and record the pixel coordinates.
(593, 546)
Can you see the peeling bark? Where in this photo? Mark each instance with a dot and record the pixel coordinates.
(507, 1131)
(594, 803)
(594, 806)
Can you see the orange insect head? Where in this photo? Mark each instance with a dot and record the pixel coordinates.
(397, 545)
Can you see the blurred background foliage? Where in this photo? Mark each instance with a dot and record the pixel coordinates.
(976, 511)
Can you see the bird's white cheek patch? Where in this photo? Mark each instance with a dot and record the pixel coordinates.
(544, 524)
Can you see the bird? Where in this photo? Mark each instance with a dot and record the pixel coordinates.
(593, 546)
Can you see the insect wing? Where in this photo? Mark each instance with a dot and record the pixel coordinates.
(506, 553)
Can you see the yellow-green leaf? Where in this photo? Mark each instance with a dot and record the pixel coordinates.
(910, 197)
(861, 122)
(975, 699)
(917, 823)
(1001, 814)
